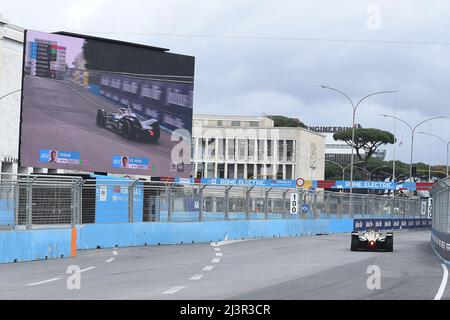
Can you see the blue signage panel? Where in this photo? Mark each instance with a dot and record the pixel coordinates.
(373, 185)
(250, 182)
(111, 203)
(58, 156)
(130, 162)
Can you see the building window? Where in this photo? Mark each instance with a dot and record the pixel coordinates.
(261, 150)
(251, 148)
(202, 148)
(259, 170)
(242, 146)
(250, 173)
(235, 123)
(240, 171)
(221, 170)
(231, 148)
(219, 123)
(211, 147)
(281, 150)
(254, 124)
(288, 171)
(230, 169)
(210, 170)
(269, 148)
(221, 151)
(200, 170)
(268, 171)
(279, 172)
(289, 149)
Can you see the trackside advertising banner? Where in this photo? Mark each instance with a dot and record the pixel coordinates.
(441, 243)
(385, 224)
(311, 184)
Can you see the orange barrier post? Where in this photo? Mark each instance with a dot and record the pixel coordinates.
(73, 243)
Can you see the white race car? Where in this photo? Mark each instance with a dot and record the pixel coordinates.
(372, 240)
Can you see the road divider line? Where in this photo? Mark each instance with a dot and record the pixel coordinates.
(174, 289)
(215, 260)
(109, 260)
(208, 268)
(196, 277)
(42, 282)
(87, 269)
(443, 283)
(218, 254)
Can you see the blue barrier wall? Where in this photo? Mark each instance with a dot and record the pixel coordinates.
(34, 245)
(6, 212)
(55, 243)
(139, 234)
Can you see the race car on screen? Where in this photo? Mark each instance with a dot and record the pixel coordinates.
(129, 125)
(372, 240)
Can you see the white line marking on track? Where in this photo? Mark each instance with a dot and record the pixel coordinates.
(196, 277)
(225, 242)
(115, 253)
(216, 249)
(215, 260)
(174, 289)
(41, 282)
(443, 284)
(109, 260)
(87, 269)
(218, 254)
(208, 268)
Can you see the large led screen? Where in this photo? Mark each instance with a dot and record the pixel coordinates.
(96, 105)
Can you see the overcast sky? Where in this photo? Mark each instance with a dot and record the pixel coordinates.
(255, 57)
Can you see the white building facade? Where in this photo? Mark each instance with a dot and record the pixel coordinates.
(11, 57)
(248, 147)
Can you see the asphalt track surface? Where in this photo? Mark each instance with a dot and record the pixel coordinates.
(311, 267)
(60, 115)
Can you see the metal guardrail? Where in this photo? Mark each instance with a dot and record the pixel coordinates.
(33, 201)
(441, 206)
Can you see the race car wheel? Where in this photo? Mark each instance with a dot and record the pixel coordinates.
(128, 131)
(101, 116)
(355, 243)
(389, 243)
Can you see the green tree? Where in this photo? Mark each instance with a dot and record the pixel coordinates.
(367, 140)
(282, 121)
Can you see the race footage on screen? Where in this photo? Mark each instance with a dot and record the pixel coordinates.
(99, 105)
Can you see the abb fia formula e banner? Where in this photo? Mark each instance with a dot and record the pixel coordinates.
(98, 105)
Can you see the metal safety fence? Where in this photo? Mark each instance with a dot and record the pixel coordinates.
(33, 201)
(441, 206)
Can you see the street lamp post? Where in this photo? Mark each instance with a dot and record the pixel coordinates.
(447, 143)
(413, 130)
(354, 107)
